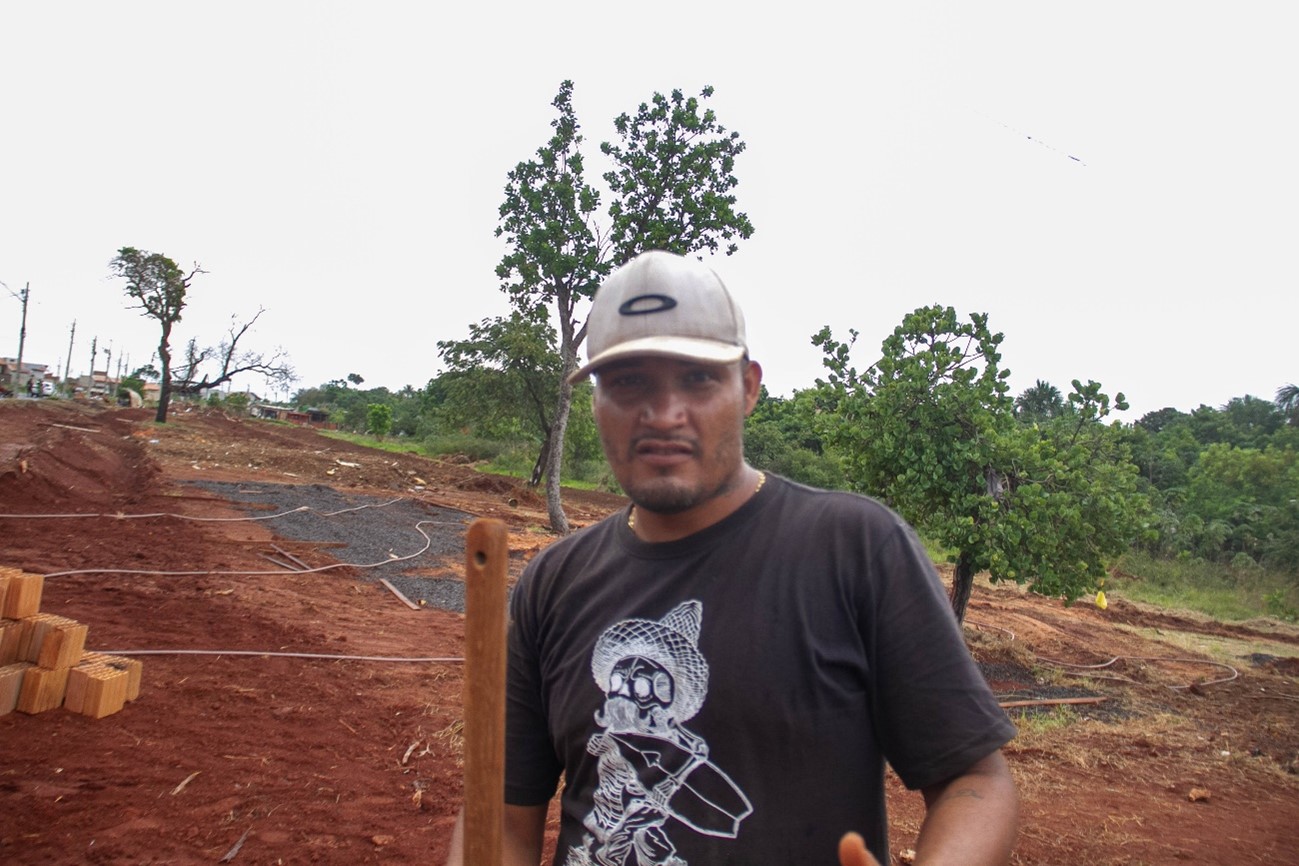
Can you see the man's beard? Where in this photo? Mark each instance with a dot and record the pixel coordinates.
(669, 495)
(669, 498)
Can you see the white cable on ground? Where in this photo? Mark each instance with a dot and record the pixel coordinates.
(120, 516)
(982, 625)
(428, 542)
(1234, 673)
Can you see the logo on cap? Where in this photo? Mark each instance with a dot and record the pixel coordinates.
(644, 304)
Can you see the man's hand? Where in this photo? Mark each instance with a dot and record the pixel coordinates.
(852, 852)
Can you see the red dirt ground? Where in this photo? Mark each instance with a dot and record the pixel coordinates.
(339, 761)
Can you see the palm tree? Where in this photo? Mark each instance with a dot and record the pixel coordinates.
(1040, 402)
(1287, 400)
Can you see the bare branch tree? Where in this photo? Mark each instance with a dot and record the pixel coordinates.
(275, 367)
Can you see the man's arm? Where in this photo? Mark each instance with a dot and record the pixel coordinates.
(971, 818)
(520, 846)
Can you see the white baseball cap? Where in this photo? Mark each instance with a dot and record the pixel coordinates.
(663, 305)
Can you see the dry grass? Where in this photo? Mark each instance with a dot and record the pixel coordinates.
(1222, 648)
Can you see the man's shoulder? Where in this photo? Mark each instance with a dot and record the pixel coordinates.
(818, 504)
(596, 536)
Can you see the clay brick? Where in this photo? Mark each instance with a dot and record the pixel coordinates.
(11, 684)
(31, 633)
(42, 690)
(96, 690)
(10, 631)
(134, 670)
(23, 597)
(63, 644)
(75, 696)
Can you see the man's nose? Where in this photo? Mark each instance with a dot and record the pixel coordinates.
(664, 407)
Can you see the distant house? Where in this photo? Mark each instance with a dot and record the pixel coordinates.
(97, 384)
(15, 379)
(305, 417)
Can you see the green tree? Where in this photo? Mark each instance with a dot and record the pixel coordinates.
(1244, 500)
(1245, 422)
(1287, 400)
(348, 407)
(780, 435)
(378, 420)
(158, 286)
(1164, 455)
(134, 381)
(406, 411)
(238, 402)
(670, 188)
(504, 377)
(1039, 403)
(930, 428)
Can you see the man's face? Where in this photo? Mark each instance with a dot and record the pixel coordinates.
(673, 431)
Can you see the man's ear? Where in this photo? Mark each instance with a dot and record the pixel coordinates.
(752, 386)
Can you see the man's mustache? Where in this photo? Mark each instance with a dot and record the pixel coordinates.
(660, 442)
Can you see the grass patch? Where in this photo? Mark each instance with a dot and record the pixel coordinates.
(473, 449)
(1045, 720)
(1222, 648)
(511, 459)
(1225, 593)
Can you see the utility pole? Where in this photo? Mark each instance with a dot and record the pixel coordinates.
(108, 367)
(67, 368)
(22, 333)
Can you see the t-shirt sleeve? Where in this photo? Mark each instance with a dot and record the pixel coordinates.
(532, 769)
(935, 714)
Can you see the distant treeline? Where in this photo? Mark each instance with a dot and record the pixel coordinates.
(1222, 484)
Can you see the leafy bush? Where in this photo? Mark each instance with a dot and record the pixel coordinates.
(473, 448)
(1278, 606)
(379, 419)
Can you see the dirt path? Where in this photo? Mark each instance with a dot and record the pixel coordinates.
(348, 760)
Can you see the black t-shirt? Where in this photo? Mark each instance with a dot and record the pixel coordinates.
(731, 697)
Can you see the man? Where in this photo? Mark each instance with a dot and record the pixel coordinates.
(720, 671)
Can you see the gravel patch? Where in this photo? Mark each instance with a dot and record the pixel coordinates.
(364, 530)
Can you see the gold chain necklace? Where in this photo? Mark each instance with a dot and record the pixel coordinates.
(631, 515)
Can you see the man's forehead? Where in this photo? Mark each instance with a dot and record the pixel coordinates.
(639, 362)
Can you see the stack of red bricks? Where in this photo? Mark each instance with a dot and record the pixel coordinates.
(43, 660)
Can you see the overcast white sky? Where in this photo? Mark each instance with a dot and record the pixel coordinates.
(1114, 183)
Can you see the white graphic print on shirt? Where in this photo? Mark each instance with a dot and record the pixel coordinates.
(655, 778)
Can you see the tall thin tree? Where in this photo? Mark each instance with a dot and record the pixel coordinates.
(670, 188)
(158, 287)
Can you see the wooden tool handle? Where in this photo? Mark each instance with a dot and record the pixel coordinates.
(486, 560)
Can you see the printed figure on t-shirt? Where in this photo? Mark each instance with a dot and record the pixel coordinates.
(654, 775)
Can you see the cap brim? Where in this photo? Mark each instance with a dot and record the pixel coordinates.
(682, 348)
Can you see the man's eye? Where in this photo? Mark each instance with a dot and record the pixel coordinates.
(701, 377)
(618, 379)
(624, 381)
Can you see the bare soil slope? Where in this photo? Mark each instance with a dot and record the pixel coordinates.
(352, 760)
